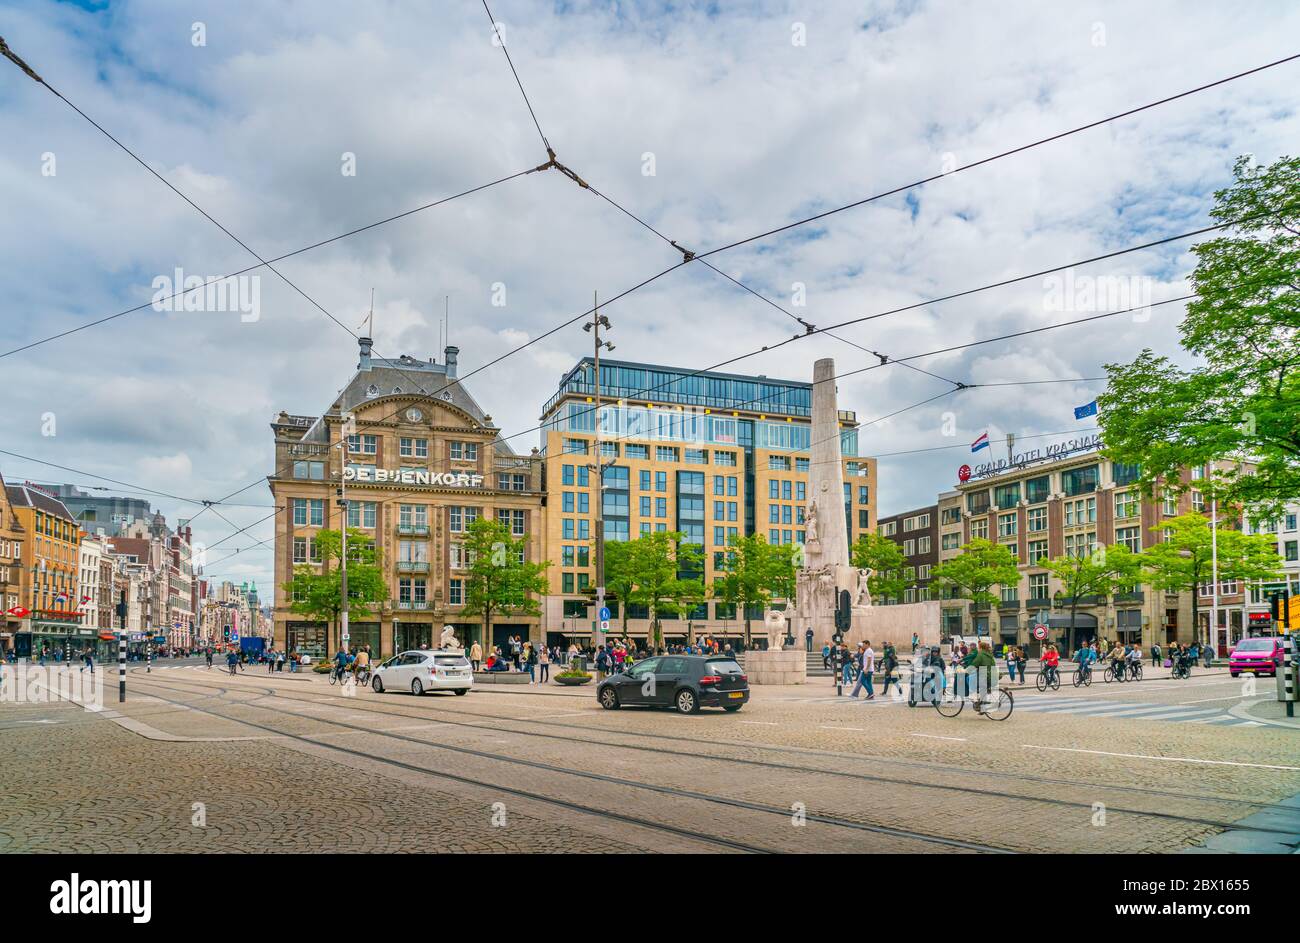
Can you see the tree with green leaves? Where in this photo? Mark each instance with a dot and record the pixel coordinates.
(753, 573)
(1186, 559)
(1095, 571)
(973, 574)
(657, 562)
(499, 579)
(887, 565)
(620, 577)
(316, 591)
(1242, 401)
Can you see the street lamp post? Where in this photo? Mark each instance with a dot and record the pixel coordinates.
(593, 326)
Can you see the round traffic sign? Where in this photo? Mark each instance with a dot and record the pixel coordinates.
(603, 615)
(1040, 631)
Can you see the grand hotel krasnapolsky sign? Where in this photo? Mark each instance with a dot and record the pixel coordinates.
(412, 476)
(1019, 460)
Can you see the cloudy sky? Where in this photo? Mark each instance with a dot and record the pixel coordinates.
(712, 122)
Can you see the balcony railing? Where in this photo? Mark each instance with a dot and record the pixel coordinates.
(415, 530)
(414, 604)
(412, 566)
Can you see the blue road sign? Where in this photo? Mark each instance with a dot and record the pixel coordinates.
(604, 613)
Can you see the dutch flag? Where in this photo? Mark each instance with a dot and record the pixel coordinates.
(981, 443)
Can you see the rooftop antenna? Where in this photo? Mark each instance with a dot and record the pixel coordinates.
(446, 315)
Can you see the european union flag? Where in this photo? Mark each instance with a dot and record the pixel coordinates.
(1088, 409)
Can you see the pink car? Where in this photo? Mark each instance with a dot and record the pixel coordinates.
(1257, 656)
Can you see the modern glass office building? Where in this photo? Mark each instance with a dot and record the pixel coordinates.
(712, 455)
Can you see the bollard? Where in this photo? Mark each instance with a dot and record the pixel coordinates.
(121, 667)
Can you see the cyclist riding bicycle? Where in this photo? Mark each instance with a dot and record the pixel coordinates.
(1083, 658)
(1135, 661)
(1051, 660)
(341, 660)
(982, 672)
(1117, 659)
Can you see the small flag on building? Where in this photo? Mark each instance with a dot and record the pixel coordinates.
(981, 443)
(1087, 409)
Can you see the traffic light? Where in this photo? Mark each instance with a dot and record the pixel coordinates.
(844, 611)
(225, 633)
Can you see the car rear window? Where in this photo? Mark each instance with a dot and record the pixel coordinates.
(1255, 645)
(455, 661)
(730, 667)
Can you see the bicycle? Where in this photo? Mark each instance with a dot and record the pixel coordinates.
(1049, 677)
(1083, 675)
(336, 674)
(363, 676)
(1135, 671)
(1181, 671)
(998, 707)
(1110, 674)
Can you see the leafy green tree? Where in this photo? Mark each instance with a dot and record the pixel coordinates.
(1243, 399)
(620, 577)
(752, 573)
(1097, 571)
(317, 593)
(1185, 560)
(657, 562)
(884, 558)
(972, 575)
(499, 579)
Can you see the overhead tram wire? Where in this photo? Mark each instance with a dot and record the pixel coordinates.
(4, 49)
(689, 256)
(204, 213)
(920, 304)
(1006, 153)
(278, 258)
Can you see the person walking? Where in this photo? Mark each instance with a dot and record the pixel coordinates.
(916, 640)
(88, 660)
(232, 660)
(867, 666)
(1155, 654)
(826, 655)
(530, 657)
(475, 654)
(889, 662)
(544, 665)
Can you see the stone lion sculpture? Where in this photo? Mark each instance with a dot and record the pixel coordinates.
(448, 639)
(775, 627)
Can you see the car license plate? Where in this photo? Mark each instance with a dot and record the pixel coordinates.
(736, 694)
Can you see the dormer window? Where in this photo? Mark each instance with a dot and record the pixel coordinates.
(372, 390)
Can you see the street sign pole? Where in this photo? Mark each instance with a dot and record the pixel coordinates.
(121, 649)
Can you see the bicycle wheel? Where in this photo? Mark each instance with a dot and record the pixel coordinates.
(1000, 705)
(334, 677)
(1108, 675)
(950, 706)
(1078, 677)
(1136, 672)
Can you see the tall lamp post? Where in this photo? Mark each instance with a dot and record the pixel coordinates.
(593, 327)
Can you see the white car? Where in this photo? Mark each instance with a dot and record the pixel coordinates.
(420, 671)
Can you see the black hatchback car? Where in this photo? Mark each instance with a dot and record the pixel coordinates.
(683, 682)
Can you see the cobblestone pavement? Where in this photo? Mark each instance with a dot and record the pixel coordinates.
(797, 770)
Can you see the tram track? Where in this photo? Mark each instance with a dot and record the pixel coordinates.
(670, 791)
(353, 703)
(1087, 807)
